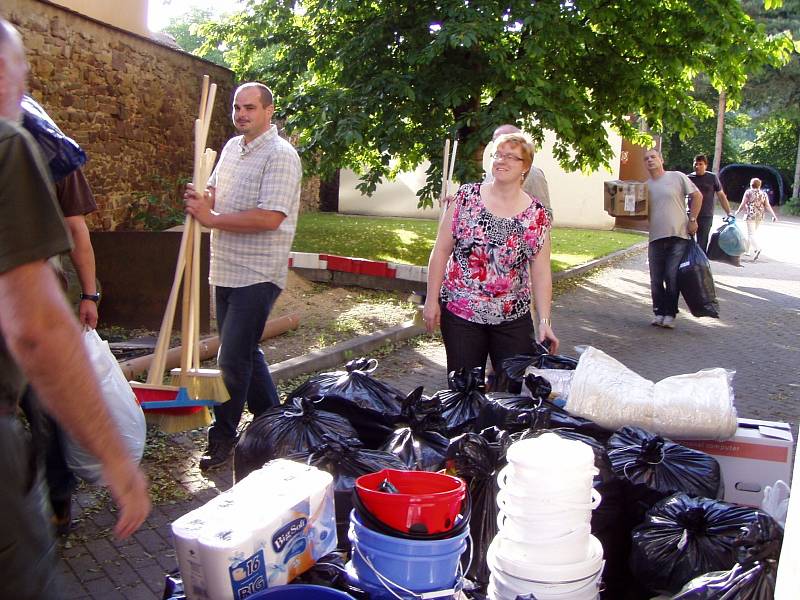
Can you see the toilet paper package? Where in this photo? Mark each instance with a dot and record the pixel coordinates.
(264, 531)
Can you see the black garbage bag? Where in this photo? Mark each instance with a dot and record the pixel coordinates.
(652, 468)
(421, 445)
(374, 408)
(463, 401)
(476, 460)
(753, 577)
(683, 537)
(716, 253)
(514, 413)
(512, 372)
(346, 460)
(62, 153)
(173, 586)
(285, 430)
(696, 282)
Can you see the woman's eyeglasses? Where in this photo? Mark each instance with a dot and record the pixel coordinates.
(501, 156)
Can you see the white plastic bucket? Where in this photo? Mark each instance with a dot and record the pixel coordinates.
(547, 517)
(543, 482)
(570, 548)
(526, 495)
(501, 589)
(550, 452)
(545, 528)
(524, 575)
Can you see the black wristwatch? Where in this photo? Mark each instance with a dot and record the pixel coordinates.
(92, 297)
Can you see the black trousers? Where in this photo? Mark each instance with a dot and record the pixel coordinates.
(468, 344)
(703, 229)
(28, 552)
(47, 439)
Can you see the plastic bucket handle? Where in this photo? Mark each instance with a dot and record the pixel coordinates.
(391, 585)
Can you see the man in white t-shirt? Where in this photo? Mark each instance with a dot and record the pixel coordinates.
(670, 231)
(251, 207)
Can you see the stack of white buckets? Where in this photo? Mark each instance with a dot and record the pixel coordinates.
(544, 546)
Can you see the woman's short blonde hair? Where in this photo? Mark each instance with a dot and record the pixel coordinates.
(755, 182)
(518, 140)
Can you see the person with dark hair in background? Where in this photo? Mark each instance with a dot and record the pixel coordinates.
(40, 341)
(65, 159)
(710, 187)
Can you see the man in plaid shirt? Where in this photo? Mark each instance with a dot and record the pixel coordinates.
(251, 208)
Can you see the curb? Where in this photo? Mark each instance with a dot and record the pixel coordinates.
(337, 355)
(599, 262)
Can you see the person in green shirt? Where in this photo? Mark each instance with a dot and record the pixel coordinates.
(40, 341)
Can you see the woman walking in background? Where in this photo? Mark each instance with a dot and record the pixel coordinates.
(492, 252)
(755, 203)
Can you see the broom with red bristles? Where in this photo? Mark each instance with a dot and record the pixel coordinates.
(184, 404)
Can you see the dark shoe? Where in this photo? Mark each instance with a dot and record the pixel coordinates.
(218, 453)
(62, 517)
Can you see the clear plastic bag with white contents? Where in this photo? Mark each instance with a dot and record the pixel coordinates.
(120, 401)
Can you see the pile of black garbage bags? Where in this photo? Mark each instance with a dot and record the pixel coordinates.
(661, 521)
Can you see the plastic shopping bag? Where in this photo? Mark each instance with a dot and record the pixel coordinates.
(121, 404)
(732, 240)
(696, 282)
(62, 153)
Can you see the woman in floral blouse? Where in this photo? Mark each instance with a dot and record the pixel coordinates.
(492, 253)
(755, 202)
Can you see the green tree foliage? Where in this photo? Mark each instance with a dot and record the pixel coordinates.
(775, 145)
(775, 92)
(187, 31)
(679, 153)
(377, 86)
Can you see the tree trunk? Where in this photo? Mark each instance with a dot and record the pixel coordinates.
(796, 185)
(720, 133)
(329, 193)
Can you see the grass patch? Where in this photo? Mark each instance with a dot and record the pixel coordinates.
(409, 241)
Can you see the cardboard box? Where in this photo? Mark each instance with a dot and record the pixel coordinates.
(757, 456)
(626, 198)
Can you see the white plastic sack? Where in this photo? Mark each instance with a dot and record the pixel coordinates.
(693, 406)
(121, 403)
(776, 501)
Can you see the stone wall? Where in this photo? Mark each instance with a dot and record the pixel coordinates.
(129, 101)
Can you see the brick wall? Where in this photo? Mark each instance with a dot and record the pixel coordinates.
(129, 101)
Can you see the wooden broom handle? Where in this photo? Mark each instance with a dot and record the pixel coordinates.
(155, 374)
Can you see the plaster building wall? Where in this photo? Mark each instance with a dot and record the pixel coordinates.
(576, 198)
(130, 15)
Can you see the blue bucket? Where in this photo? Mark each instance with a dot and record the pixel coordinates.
(382, 561)
(301, 592)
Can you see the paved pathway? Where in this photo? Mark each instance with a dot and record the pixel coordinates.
(758, 336)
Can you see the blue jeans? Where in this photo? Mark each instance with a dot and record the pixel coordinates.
(241, 316)
(665, 257)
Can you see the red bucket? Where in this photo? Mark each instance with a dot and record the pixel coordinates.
(423, 499)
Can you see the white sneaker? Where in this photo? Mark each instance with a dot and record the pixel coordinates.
(658, 321)
(668, 322)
